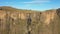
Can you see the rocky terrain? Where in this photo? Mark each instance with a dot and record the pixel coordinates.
(18, 21)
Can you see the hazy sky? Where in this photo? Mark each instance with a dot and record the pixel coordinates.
(32, 4)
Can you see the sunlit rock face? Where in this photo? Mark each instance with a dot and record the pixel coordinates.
(48, 16)
(2, 14)
(47, 22)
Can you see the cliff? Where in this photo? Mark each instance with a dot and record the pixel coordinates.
(17, 21)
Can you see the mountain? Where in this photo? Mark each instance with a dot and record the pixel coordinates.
(18, 21)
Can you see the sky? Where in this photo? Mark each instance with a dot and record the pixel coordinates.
(32, 4)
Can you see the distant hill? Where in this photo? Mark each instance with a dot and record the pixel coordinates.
(8, 8)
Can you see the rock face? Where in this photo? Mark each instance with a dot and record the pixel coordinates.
(47, 22)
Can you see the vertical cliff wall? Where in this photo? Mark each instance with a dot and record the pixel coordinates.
(17, 22)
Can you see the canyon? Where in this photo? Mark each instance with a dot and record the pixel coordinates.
(17, 21)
